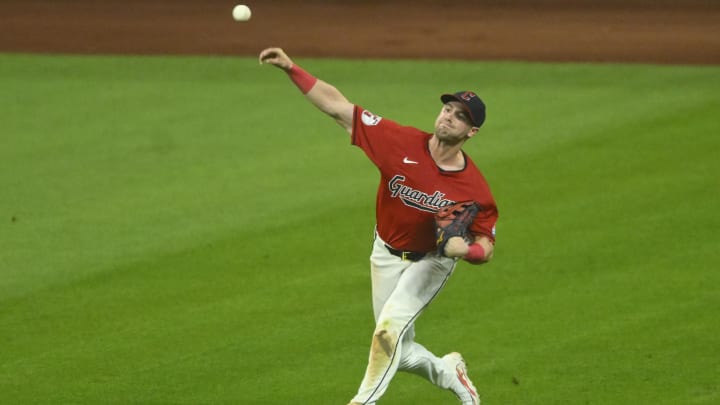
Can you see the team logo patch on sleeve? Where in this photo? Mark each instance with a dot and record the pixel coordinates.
(370, 119)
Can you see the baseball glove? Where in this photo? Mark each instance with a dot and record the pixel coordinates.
(454, 220)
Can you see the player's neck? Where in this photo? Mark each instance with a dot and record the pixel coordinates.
(446, 156)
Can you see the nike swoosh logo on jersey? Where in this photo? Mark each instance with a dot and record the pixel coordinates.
(408, 161)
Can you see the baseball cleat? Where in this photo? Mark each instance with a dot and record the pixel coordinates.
(461, 385)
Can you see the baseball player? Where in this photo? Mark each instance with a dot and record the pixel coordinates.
(420, 174)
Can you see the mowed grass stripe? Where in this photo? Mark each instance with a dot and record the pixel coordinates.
(212, 304)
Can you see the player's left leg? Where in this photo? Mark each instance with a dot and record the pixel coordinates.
(448, 372)
(418, 360)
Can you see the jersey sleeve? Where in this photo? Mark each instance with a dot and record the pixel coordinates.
(484, 223)
(370, 133)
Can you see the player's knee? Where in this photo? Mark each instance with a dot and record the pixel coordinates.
(385, 340)
(382, 334)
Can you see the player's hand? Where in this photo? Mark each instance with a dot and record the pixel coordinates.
(456, 247)
(276, 57)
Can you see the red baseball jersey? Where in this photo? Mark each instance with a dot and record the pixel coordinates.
(412, 187)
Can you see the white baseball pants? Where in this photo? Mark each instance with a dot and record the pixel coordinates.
(401, 290)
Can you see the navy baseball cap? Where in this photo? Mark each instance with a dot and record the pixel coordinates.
(473, 105)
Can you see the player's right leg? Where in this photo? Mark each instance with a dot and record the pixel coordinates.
(386, 271)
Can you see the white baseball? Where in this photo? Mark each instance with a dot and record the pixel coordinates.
(241, 12)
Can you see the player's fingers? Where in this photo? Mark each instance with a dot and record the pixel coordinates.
(276, 62)
(266, 54)
(269, 53)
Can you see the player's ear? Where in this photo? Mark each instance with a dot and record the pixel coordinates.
(472, 132)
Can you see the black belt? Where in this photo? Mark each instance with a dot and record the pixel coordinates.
(405, 255)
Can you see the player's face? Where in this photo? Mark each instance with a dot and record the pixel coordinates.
(453, 124)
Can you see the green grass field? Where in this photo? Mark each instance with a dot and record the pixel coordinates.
(191, 231)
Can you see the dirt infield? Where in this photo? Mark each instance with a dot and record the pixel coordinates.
(652, 31)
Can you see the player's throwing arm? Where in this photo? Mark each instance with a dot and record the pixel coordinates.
(322, 95)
